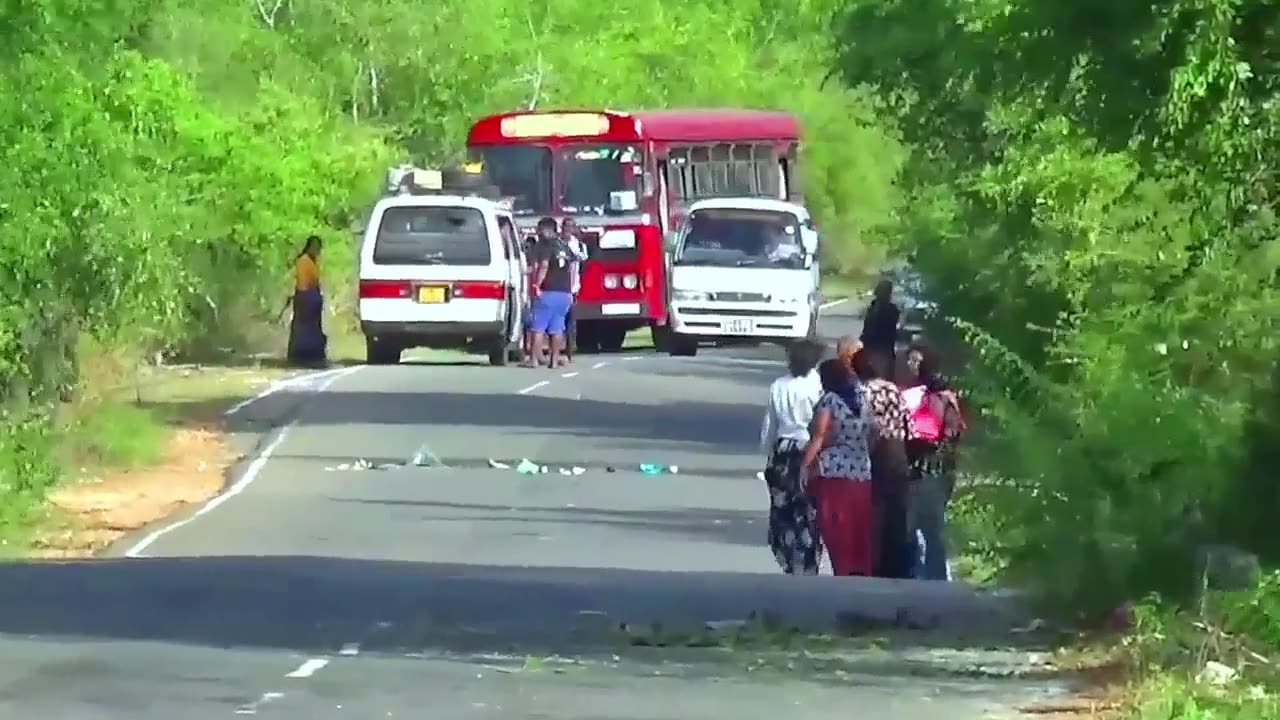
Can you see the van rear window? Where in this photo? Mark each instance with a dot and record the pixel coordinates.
(432, 235)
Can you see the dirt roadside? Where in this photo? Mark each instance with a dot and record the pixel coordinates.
(191, 461)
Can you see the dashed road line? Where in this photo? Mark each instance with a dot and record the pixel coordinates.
(535, 386)
(350, 650)
(598, 365)
(308, 668)
(569, 374)
(253, 707)
(833, 303)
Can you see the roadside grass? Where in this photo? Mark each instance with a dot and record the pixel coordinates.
(853, 287)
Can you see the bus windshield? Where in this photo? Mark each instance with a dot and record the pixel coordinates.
(589, 172)
(521, 172)
(743, 238)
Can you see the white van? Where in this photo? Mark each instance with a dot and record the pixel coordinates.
(441, 271)
(743, 269)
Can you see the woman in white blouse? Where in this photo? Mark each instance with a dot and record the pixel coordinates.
(793, 534)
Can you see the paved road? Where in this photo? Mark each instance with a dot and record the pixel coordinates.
(317, 590)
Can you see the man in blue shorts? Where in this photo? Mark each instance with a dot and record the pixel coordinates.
(553, 293)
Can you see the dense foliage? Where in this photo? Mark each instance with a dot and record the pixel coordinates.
(162, 160)
(1091, 193)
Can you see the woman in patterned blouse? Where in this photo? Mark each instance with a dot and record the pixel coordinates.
(837, 461)
(889, 472)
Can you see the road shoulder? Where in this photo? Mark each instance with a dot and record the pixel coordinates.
(192, 429)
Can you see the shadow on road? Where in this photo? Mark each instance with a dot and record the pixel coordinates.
(319, 604)
(724, 425)
(721, 526)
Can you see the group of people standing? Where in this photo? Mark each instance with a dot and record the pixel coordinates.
(555, 276)
(860, 466)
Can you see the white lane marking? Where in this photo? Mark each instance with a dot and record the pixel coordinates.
(598, 365)
(252, 708)
(250, 474)
(569, 374)
(308, 668)
(630, 358)
(279, 385)
(350, 649)
(535, 386)
(833, 303)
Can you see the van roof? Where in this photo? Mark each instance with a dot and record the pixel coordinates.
(749, 203)
(434, 200)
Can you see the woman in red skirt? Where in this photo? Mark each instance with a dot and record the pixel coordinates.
(837, 462)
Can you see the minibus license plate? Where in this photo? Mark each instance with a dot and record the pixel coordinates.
(431, 293)
(740, 327)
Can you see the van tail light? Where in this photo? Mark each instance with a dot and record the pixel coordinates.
(480, 290)
(384, 289)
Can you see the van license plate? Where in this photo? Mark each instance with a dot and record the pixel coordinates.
(740, 327)
(432, 293)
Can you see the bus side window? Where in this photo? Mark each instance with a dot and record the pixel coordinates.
(742, 176)
(766, 171)
(679, 179)
(700, 166)
(721, 168)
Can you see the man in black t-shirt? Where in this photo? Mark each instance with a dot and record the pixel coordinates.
(553, 293)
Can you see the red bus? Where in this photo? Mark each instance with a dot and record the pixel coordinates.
(626, 177)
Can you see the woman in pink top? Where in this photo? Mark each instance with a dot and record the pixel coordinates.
(936, 428)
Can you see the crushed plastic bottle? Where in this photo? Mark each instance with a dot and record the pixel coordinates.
(651, 468)
(527, 467)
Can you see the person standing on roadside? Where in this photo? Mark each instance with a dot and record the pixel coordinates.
(578, 250)
(937, 425)
(837, 463)
(880, 322)
(793, 531)
(889, 468)
(307, 341)
(553, 288)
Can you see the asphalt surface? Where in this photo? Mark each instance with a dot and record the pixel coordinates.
(320, 587)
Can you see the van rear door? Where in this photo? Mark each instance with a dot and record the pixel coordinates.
(432, 263)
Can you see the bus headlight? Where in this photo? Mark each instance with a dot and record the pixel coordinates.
(630, 282)
(690, 296)
(610, 282)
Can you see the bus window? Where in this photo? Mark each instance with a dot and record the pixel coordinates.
(521, 172)
(591, 172)
(766, 171)
(678, 178)
(742, 176)
(704, 180)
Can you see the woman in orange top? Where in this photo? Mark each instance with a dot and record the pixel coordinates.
(307, 342)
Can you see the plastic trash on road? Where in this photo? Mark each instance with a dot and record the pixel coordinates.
(527, 467)
(425, 458)
(650, 469)
(578, 470)
(498, 465)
